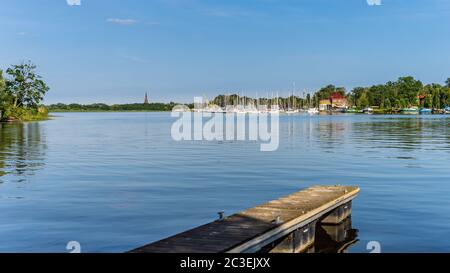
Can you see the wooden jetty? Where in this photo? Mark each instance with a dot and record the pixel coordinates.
(254, 229)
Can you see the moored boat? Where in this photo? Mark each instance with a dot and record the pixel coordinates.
(425, 111)
(353, 111)
(410, 110)
(313, 111)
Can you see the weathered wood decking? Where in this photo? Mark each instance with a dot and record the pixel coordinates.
(250, 230)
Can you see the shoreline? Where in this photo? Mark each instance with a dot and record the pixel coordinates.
(108, 111)
(281, 113)
(27, 120)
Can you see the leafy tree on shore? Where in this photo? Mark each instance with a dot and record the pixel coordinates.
(387, 104)
(21, 93)
(25, 88)
(363, 100)
(408, 89)
(308, 100)
(400, 94)
(326, 91)
(3, 94)
(2, 83)
(355, 94)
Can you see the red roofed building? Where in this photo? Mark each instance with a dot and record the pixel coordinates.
(335, 101)
(338, 100)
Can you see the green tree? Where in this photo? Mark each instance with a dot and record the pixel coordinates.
(356, 94)
(435, 96)
(408, 89)
(445, 97)
(325, 92)
(404, 103)
(3, 94)
(25, 88)
(377, 95)
(2, 84)
(428, 102)
(363, 100)
(436, 99)
(387, 104)
(308, 99)
(447, 82)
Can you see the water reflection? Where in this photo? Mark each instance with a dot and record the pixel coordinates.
(317, 238)
(22, 150)
(385, 132)
(331, 134)
(404, 133)
(399, 161)
(335, 238)
(327, 131)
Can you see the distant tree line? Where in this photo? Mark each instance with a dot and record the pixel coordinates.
(405, 92)
(101, 107)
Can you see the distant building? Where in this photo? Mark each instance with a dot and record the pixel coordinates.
(325, 105)
(335, 101)
(146, 99)
(338, 101)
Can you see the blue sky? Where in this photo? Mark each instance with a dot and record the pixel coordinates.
(114, 51)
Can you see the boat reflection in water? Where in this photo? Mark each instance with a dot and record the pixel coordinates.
(319, 238)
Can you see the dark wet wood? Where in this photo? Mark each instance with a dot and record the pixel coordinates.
(245, 231)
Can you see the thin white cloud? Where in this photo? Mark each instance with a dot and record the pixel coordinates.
(374, 2)
(123, 22)
(73, 2)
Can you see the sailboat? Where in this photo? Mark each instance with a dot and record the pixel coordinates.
(250, 107)
(313, 110)
(241, 105)
(292, 105)
(275, 108)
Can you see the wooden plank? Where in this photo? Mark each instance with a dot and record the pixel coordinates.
(320, 205)
(252, 229)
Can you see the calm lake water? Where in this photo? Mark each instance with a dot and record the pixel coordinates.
(116, 181)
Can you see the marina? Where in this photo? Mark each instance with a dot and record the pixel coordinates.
(336, 103)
